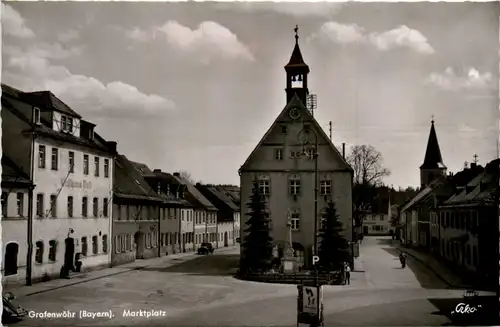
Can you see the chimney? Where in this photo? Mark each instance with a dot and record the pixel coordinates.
(156, 170)
(111, 146)
(177, 174)
(343, 150)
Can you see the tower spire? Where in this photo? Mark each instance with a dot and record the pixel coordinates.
(433, 162)
(296, 73)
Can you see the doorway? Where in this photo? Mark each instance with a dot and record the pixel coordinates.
(226, 239)
(139, 245)
(365, 230)
(69, 253)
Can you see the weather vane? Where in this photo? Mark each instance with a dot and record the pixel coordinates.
(296, 29)
(432, 119)
(475, 158)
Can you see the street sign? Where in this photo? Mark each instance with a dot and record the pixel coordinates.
(315, 259)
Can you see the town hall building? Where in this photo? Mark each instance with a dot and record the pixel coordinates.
(290, 156)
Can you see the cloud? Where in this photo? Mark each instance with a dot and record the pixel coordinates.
(210, 41)
(471, 79)
(45, 50)
(69, 35)
(400, 37)
(296, 9)
(86, 95)
(13, 24)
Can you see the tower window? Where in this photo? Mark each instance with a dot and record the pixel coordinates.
(278, 154)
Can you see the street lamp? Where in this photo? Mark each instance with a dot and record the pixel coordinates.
(304, 133)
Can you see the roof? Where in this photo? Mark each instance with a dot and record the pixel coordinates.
(433, 158)
(482, 189)
(193, 191)
(48, 100)
(44, 129)
(420, 195)
(296, 59)
(220, 194)
(12, 173)
(295, 102)
(143, 168)
(232, 192)
(129, 183)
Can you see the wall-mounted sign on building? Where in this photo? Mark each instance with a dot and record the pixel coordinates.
(75, 184)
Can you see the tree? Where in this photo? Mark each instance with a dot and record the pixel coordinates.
(366, 162)
(184, 174)
(333, 250)
(257, 245)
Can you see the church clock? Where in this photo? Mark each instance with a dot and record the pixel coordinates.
(294, 113)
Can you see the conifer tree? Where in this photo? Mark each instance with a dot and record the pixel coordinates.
(257, 245)
(333, 248)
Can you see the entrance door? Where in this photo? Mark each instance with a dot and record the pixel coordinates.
(365, 230)
(69, 253)
(139, 245)
(226, 239)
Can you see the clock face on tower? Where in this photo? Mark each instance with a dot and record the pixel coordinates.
(294, 113)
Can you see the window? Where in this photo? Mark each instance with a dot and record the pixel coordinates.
(71, 162)
(105, 207)
(310, 153)
(10, 260)
(55, 158)
(36, 115)
(295, 221)
(52, 250)
(264, 187)
(53, 205)
(283, 129)
(39, 205)
(95, 245)
(381, 217)
(106, 168)
(374, 217)
(39, 252)
(70, 125)
(41, 156)
(5, 197)
(70, 206)
(325, 187)
(96, 207)
(85, 206)
(96, 164)
(63, 122)
(20, 204)
(84, 246)
(278, 154)
(85, 164)
(294, 186)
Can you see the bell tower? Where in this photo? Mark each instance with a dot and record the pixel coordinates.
(433, 165)
(296, 73)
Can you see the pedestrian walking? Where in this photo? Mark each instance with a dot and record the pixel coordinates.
(347, 270)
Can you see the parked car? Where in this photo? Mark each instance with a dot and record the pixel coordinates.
(205, 248)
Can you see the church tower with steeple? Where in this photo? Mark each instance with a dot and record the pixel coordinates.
(433, 165)
(296, 74)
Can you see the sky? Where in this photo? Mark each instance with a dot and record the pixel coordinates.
(194, 86)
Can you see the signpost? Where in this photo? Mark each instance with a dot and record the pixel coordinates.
(310, 305)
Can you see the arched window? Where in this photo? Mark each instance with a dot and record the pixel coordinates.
(39, 252)
(10, 262)
(52, 250)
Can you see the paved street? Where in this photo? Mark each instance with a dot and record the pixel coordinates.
(200, 291)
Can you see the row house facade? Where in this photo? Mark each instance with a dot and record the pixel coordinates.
(17, 188)
(467, 226)
(291, 157)
(179, 222)
(72, 172)
(205, 213)
(227, 214)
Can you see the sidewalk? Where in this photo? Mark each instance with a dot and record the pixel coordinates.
(433, 264)
(23, 290)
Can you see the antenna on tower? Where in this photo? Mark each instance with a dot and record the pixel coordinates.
(311, 103)
(330, 123)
